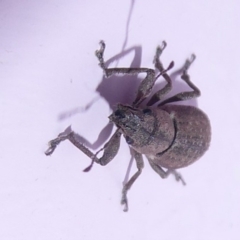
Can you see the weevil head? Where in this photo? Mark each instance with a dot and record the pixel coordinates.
(146, 130)
(135, 123)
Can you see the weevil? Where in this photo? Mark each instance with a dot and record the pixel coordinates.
(170, 136)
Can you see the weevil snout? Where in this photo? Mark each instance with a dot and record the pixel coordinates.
(121, 114)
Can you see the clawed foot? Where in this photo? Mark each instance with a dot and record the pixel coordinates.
(178, 177)
(99, 54)
(94, 157)
(124, 200)
(159, 51)
(54, 143)
(189, 62)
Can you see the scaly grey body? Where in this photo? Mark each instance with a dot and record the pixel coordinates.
(170, 136)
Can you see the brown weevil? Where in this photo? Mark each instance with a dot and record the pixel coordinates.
(170, 136)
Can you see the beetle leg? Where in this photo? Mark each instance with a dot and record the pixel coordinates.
(164, 174)
(160, 93)
(73, 138)
(185, 95)
(99, 55)
(110, 149)
(145, 86)
(111, 71)
(139, 161)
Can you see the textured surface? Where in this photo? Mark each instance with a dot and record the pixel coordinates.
(193, 136)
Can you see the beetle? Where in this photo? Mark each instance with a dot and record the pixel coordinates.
(170, 136)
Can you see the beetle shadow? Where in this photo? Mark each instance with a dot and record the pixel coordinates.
(122, 88)
(115, 89)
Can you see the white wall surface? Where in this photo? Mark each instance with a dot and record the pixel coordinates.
(49, 74)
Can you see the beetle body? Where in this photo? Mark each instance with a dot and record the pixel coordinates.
(170, 136)
(192, 137)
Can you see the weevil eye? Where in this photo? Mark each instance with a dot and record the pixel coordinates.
(147, 111)
(119, 114)
(129, 140)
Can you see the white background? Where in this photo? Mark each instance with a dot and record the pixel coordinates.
(49, 75)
